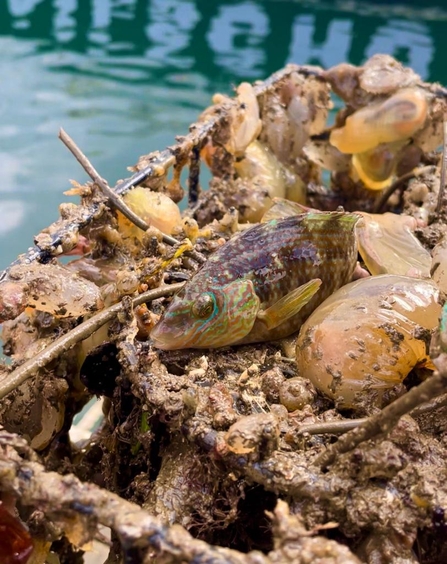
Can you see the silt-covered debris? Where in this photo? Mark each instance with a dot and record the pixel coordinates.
(289, 406)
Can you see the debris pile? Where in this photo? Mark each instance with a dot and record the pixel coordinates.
(253, 417)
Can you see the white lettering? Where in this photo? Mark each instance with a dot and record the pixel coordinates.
(64, 22)
(101, 18)
(245, 24)
(21, 8)
(170, 30)
(413, 38)
(334, 50)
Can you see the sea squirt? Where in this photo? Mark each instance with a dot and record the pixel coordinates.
(376, 167)
(388, 245)
(155, 208)
(368, 336)
(395, 119)
(263, 283)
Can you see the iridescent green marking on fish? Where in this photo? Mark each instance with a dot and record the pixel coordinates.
(263, 283)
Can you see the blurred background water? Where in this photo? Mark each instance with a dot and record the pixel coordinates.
(123, 77)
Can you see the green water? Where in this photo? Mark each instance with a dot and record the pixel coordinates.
(123, 77)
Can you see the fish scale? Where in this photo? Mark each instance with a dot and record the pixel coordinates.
(277, 257)
(327, 251)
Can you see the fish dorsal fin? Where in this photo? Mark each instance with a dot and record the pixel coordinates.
(290, 304)
(284, 208)
(318, 219)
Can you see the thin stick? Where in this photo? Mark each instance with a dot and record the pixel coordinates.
(164, 161)
(114, 198)
(384, 421)
(160, 161)
(100, 182)
(331, 427)
(339, 427)
(443, 170)
(65, 499)
(395, 185)
(194, 176)
(77, 334)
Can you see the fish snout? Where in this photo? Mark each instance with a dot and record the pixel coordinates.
(168, 336)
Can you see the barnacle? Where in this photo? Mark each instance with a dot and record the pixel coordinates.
(395, 119)
(253, 433)
(51, 288)
(368, 336)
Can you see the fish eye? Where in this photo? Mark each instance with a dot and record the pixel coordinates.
(203, 307)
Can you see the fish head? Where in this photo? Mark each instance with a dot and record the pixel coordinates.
(215, 318)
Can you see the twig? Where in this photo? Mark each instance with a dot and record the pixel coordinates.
(65, 499)
(443, 170)
(430, 406)
(194, 176)
(384, 421)
(159, 164)
(339, 427)
(395, 185)
(101, 183)
(116, 200)
(77, 334)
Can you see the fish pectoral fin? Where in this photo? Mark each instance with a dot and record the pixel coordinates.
(290, 304)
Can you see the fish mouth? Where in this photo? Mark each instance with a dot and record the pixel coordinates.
(166, 337)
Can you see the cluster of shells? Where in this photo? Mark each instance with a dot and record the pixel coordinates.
(277, 148)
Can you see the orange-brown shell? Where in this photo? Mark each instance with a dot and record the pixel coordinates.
(395, 119)
(364, 338)
(155, 208)
(375, 167)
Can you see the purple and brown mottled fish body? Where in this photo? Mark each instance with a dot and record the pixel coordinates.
(256, 270)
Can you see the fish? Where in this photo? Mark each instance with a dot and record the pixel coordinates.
(386, 241)
(263, 283)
